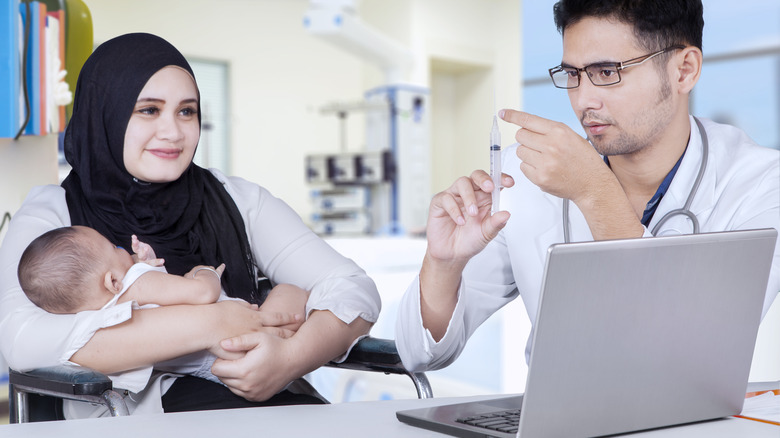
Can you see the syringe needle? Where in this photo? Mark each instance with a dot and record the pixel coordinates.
(495, 164)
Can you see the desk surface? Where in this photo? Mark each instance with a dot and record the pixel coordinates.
(359, 419)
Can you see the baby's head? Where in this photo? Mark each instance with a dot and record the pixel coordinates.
(71, 269)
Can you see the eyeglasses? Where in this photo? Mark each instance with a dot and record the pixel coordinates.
(600, 74)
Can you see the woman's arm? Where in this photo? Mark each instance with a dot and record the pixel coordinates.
(272, 362)
(162, 333)
(29, 336)
(32, 338)
(343, 303)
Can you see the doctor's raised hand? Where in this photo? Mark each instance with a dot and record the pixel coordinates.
(459, 227)
(562, 163)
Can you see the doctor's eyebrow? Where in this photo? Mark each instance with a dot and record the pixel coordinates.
(567, 65)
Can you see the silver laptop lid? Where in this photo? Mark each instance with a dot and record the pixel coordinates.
(643, 333)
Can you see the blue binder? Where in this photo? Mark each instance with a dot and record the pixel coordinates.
(34, 66)
(11, 107)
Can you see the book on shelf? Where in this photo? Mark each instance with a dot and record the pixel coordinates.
(57, 65)
(32, 90)
(11, 104)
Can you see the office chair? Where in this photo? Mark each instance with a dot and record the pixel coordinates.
(37, 395)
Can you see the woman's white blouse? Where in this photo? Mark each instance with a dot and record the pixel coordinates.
(286, 250)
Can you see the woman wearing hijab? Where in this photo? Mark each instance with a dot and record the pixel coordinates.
(130, 142)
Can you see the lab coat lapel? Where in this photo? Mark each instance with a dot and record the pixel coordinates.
(552, 231)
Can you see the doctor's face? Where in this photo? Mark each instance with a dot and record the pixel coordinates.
(163, 130)
(628, 116)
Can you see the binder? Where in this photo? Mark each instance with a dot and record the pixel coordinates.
(11, 104)
(31, 47)
(36, 65)
(51, 55)
(33, 73)
(59, 18)
(42, 67)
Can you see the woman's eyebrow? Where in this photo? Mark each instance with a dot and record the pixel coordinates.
(150, 99)
(158, 100)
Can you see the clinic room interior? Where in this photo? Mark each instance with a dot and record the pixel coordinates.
(293, 106)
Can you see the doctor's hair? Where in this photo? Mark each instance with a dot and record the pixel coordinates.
(55, 269)
(657, 24)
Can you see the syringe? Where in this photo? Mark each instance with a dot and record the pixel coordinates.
(495, 163)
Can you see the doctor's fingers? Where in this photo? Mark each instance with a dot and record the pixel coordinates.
(448, 205)
(528, 156)
(526, 120)
(461, 194)
(555, 138)
(481, 180)
(543, 169)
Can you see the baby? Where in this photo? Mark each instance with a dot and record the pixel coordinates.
(73, 269)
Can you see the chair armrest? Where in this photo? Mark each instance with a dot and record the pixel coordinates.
(375, 354)
(63, 379)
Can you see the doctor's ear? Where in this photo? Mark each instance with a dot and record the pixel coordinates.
(112, 283)
(688, 68)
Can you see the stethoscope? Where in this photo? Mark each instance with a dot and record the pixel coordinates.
(685, 210)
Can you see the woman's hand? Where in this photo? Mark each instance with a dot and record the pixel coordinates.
(257, 365)
(235, 318)
(271, 362)
(287, 299)
(163, 333)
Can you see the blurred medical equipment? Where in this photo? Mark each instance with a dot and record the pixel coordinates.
(684, 211)
(337, 22)
(387, 182)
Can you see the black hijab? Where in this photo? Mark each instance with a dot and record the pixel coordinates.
(190, 221)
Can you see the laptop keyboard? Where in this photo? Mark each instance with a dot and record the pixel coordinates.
(502, 421)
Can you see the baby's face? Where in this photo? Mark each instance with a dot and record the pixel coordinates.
(115, 258)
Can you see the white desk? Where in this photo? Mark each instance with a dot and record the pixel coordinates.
(359, 419)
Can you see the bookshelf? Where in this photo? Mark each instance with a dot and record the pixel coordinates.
(43, 44)
(38, 40)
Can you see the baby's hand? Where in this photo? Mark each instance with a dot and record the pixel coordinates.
(143, 253)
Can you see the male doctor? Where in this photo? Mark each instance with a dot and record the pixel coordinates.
(629, 67)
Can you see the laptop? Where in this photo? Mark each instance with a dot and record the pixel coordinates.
(631, 335)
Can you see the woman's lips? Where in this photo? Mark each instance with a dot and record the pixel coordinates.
(165, 153)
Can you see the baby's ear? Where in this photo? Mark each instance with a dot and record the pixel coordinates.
(112, 283)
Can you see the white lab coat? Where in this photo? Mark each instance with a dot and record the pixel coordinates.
(740, 190)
